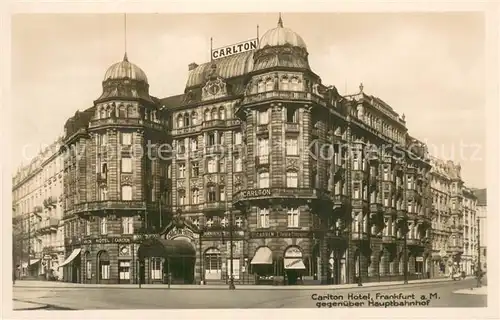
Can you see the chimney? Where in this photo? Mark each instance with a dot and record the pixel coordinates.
(192, 65)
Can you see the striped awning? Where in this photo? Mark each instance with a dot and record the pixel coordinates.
(263, 255)
(294, 264)
(71, 257)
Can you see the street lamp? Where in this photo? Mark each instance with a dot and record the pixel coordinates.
(231, 277)
(360, 283)
(201, 232)
(479, 269)
(405, 248)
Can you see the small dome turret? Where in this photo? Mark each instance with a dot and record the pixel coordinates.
(125, 70)
(281, 36)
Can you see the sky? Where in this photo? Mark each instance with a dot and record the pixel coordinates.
(428, 66)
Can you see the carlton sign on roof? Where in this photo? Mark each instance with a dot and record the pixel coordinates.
(234, 49)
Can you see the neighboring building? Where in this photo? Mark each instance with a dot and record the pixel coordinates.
(483, 225)
(248, 138)
(37, 195)
(470, 232)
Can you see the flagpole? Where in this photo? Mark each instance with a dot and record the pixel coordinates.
(211, 48)
(258, 38)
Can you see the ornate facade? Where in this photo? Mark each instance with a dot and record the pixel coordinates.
(311, 185)
(37, 197)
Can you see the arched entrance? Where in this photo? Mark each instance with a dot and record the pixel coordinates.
(337, 266)
(294, 265)
(213, 264)
(103, 267)
(174, 257)
(262, 265)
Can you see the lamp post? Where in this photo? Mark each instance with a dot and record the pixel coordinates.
(405, 249)
(201, 231)
(231, 277)
(479, 269)
(360, 283)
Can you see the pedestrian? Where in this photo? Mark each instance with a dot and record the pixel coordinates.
(14, 277)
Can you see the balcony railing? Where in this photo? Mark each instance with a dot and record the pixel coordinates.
(284, 95)
(125, 122)
(186, 130)
(262, 160)
(293, 127)
(109, 205)
(215, 123)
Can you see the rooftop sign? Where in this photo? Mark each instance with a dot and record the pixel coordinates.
(234, 49)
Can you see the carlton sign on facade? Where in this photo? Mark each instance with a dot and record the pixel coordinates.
(234, 49)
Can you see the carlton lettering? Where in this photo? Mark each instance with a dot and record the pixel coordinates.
(234, 49)
(256, 193)
(180, 232)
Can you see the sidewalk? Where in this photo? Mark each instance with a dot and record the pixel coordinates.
(18, 305)
(480, 291)
(58, 284)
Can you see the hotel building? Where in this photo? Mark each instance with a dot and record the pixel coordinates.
(310, 186)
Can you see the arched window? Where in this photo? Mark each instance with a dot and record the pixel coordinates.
(103, 265)
(103, 225)
(238, 164)
(222, 113)
(122, 112)
(213, 264)
(195, 195)
(88, 266)
(285, 84)
(213, 113)
(194, 118)
(263, 179)
(269, 84)
(180, 121)
(103, 113)
(295, 84)
(207, 115)
(211, 193)
(211, 166)
(130, 111)
(186, 120)
(292, 179)
(261, 86)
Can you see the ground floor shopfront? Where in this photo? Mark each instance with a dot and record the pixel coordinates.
(271, 257)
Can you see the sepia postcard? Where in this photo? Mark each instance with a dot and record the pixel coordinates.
(237, 160)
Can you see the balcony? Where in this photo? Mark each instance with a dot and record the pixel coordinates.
(266, 193)
(359, 236)
(125, 122)
(293, 96)
(293, 127)
(414, 242)
(186, 130)
(215, 149)
(38, 209)
(219, 206)
(262, 129)
(214, 124)
(388, 239)
(262, 160)
(50, 202)
(87, 207)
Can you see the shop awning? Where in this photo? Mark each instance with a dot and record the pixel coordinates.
(263, 256)
(71, 257)
(167, 249)
(294, 264)
(32, 262)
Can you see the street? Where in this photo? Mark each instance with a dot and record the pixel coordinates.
(432, 294)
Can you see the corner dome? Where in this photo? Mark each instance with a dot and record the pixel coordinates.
(125, 70)
(281, 36)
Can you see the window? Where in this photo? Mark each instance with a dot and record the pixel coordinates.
(103, 193)
(127, 165)
(222, 194)
(293, 217)
(88, 269)
(128, 225)
(409, 182)
(103, 225)
(194, 118)
(180, 121)
(126, 138)
(127, 193)
(195, 169)
(263, 179)
(291, 115)
(156, 266)
(386, 173)
(104, 270)
(103, 139)
(182, 170)
(237, 163)
(238, 138)
(181, 146)
(356, 194)
(210, 139)
(194, 144)
(222, 113)
(124, 270)
(356, 162)
(263, 117)
(212, 195)
(292, 147)
(263, 147)
(284, 84)
(263, 218)
(410, 206)
(182, 197)
(292, 179)
(195, 196)
(222, 165)
(211, 166)
(87, 228)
